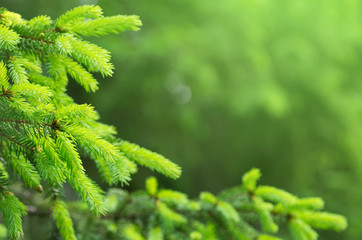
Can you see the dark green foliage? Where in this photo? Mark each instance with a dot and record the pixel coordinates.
(44, 135)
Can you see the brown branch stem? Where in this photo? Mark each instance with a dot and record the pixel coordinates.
(37, 39)
(16, 142)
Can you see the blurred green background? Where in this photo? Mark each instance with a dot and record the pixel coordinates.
(222, 86)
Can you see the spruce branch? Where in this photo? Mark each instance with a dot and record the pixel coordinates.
(44, 136)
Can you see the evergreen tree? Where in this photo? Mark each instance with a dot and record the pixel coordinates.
(44, 135)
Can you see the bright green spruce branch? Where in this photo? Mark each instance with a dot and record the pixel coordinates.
(44, 134)
(245, 212)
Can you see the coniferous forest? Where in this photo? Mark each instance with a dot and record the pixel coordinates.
(180, 119)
